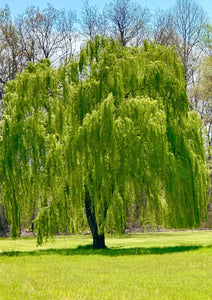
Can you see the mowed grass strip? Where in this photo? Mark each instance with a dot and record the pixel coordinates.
(176, 265)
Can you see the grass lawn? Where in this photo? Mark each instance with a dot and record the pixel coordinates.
(173, 265)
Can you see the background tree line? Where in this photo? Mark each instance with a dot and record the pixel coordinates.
(59, 34)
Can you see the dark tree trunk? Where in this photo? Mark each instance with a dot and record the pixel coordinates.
(98, 239)
(3, 222)
(19, 220)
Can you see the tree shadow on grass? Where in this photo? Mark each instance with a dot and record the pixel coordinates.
(88, 250)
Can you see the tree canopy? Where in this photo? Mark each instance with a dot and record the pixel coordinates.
(109, 129)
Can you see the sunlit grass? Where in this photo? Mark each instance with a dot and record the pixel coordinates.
(176, 265)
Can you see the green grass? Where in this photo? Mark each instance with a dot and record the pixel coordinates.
(175, 265)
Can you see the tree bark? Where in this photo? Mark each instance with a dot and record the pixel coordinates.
(98, 239)
(3, 222)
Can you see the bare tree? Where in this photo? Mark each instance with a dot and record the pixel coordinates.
(47, 33)
(69, 32)
(189, 20)
(11, 60)
(128, 21)
(163, 28)
(92, 22)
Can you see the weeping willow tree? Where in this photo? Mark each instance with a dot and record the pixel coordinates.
(32, 146)
(109, 129)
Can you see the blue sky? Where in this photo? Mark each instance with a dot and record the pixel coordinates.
(18, 6)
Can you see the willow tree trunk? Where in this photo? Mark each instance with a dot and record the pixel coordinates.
(3, 221)
(98, 239)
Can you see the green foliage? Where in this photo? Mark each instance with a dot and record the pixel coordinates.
(114, 123)
(148, 147)
(31, 148)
